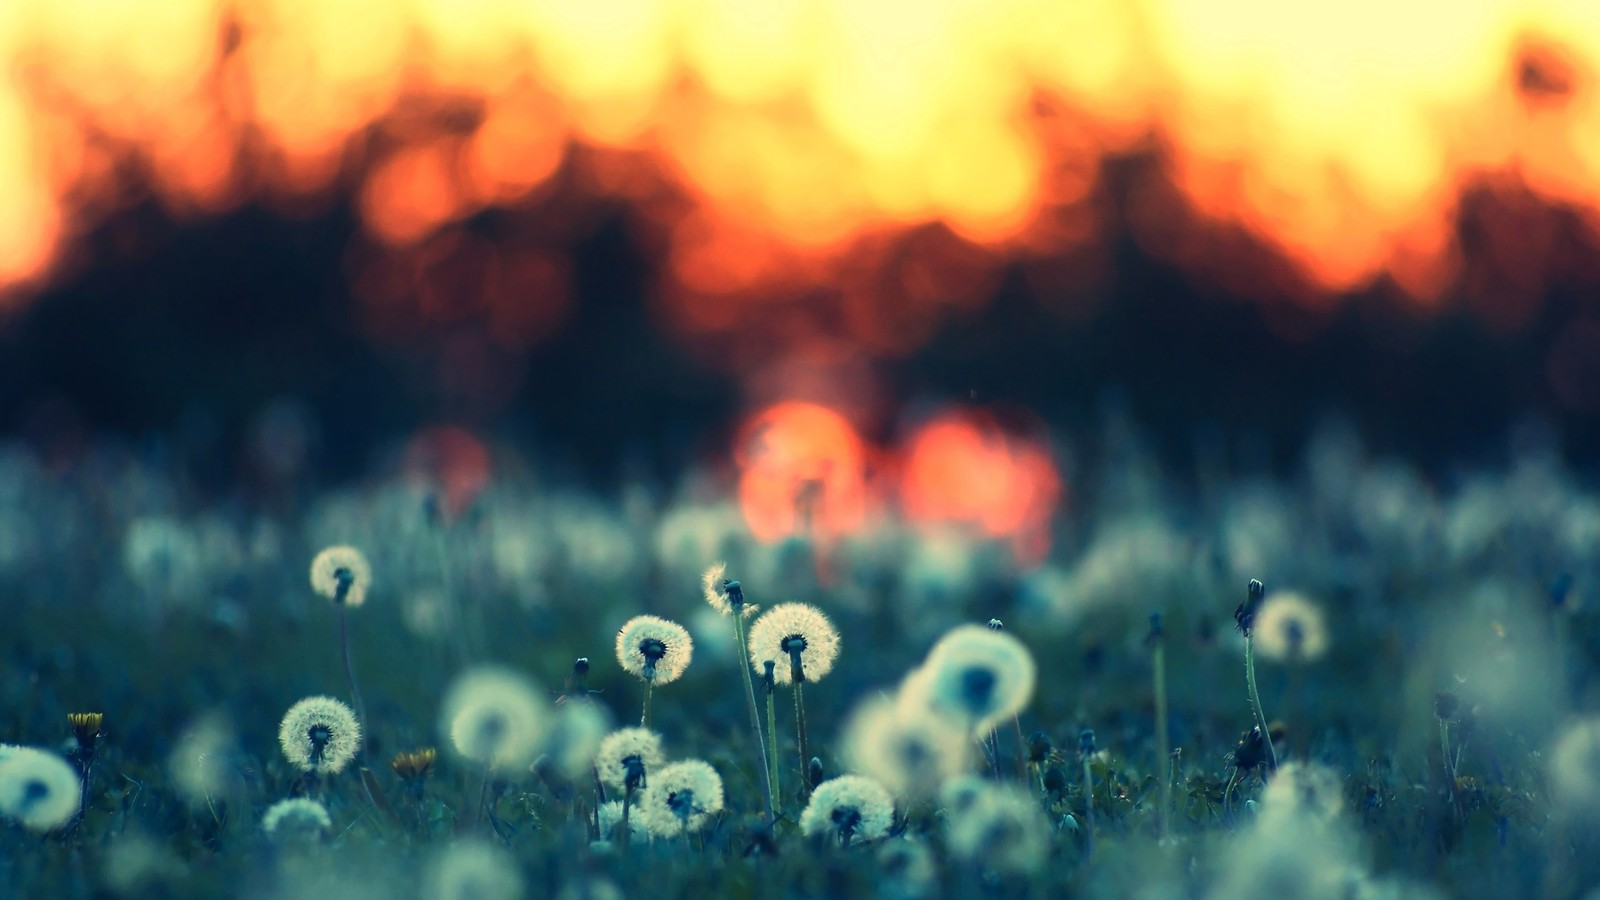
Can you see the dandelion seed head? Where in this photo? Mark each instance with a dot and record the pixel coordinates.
(1290, 628)
(908, 864)
(1300, 790)
(851, 805)
(626, 750)
(201, 761)
(319, 734)
(1002, 830)
(794, 628)
(976, 676)
(909, 749)
(341, 568)
(1575, 768)
(298, 817)
(958, 794)
(37, 788)
(681, 797)
(654, 649)
(473, 870)
(711, 586)
(575, 739)
(496, 717)
(611, 816)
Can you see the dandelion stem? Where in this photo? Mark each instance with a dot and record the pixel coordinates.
(1088, 806)
(355, 689)
(1163, 739)
(644, 717)
(1255, 698)
(768, 784)
(772, 734)
(798, 676)
(1449, 768)
(1022, 751)
(627, 809)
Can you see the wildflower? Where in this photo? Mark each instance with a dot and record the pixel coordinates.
(797, 633)
(910, 750)
(979, 676)
(414, 766)
(342, 575)
(627, 756)
(682, 797)
(1303, 791)
(654, 649)
(1290, 628)
(476, 870)
(1002, 830)
(495, 717)
(611, 816)
(39, 789)
(300, 817)
(319, 734)
(85, 729)
(851, 806)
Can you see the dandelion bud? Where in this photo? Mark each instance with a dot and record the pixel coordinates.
(414, 766)
(1445, 705)
(85, 729)
(1086, 742)
(814, 772)
(1055, 781)
(1245, 614)
(1038, 747)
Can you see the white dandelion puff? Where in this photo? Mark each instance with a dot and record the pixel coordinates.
(610, 813)
(853, 807)
(654, 649)
(909, 749)
(575, 738)
(496, 717)
(979, 677)
(908, 864)
(628, 755)
(319, 734)
(1299, 790)
(299, 817)
(202, 760)
(789, 631)
(682, 797)
(1290, 628)
(474, 870)
(341, 574)
(959, 794)
(1001, 830)
(38, 789)
(1575, 768)
(711, 586)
